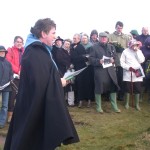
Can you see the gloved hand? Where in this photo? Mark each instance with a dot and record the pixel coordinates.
(132, 69)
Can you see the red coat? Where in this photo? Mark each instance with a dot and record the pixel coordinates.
(13, 57)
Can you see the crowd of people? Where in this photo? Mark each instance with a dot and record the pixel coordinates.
(35, 95)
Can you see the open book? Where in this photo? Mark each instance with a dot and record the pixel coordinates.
(139, 72)
(107, 62)
(70, 75)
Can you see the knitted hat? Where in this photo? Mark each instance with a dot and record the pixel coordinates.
(134, 32)
(2, 49)
(94, 32)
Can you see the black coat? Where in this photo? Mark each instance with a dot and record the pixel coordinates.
(6, 73)
(41, 120)
(82, 81)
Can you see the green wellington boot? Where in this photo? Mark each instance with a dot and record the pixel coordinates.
(137, 99)
(98, 101)
(114, 102)
(127, 98)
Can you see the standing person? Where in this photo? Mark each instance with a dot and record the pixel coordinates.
(79, 60)
(56, 46)
(94, 36)
(14, 56)
(143, 36)
(120, 40)
(131, 60)
(41, 120)
(105, 78)
(6, 75)
(63, 61)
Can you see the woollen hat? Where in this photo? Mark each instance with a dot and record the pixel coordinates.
(2, 49)
(134, 32)
(94, 32)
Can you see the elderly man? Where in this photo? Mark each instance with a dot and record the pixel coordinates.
(103, 57)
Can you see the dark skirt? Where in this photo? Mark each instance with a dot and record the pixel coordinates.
(133, 87)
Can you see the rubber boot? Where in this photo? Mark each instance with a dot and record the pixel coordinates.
(137, 99)
(80, 104)
(114, 102)
(9, 116)
(89, 103)
(127, 98)
(98, 100)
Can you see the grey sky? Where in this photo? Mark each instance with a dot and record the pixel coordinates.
(71, 16)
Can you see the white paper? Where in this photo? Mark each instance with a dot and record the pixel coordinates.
(106, 62)
(4, 86)
(70, 75)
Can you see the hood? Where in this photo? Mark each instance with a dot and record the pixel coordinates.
(31, 39)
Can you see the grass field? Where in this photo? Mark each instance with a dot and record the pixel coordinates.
(129, 130)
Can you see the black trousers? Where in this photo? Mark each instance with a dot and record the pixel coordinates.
(119, 72)
(12, 96)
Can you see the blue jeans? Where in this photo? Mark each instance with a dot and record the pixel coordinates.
(4, 108)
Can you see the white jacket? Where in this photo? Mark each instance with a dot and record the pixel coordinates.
(130, 58)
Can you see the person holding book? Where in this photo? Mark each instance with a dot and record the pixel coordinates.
(131, 59)
(41, 120)
(6, 75)
(104, 75)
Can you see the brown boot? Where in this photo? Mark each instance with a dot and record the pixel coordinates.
(9, 116)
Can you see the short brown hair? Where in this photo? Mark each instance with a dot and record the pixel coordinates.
(44, 25)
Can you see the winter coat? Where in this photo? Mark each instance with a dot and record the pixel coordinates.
(82, 81)
(13, 57)
(6, 74)
(130, 58)
(105, 78)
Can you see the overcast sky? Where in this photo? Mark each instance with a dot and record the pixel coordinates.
(71, 16)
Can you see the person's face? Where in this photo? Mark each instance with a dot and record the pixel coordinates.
(84, 39)
(94, 37)
(58, 43)
(76, 39)
(119, 29)
(2, 54)
(145, 31)
(66, 45)
(18, 43)
(49, 38)
(103, 39)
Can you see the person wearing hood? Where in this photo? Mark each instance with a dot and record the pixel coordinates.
(6, 75)
(94, 36)
(131, 59)
(41, 120)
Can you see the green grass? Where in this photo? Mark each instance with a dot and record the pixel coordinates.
(129, 130)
